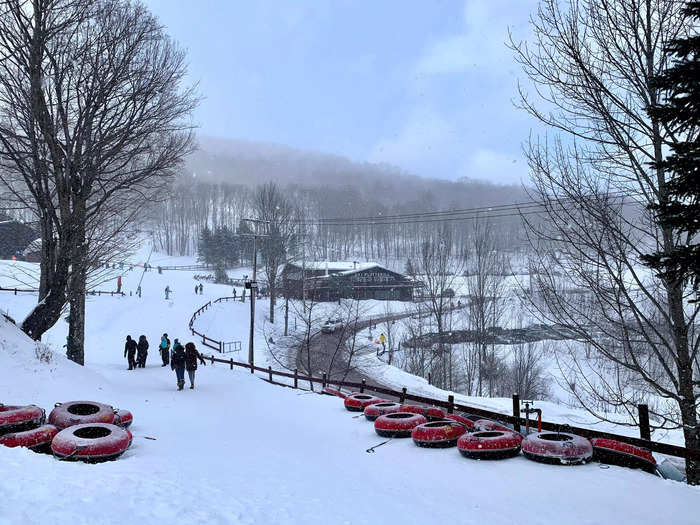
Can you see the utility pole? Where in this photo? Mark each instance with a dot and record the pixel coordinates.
(253, 289)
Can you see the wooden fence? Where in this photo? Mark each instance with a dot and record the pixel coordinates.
(449, 405)
(89, 292)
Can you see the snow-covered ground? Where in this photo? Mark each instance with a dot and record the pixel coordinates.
(238, 450)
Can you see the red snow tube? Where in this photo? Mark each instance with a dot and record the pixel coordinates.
(78, 412)
(623, 454)
(358, 402)
(434, 414)
(487, 424)
(461, 419)
(557, 447)
(438, 434)
(490, 444)
(37, 439)
(398, 424)
(20, 418)
(333, 392)
(123, 418)
(372, 412)
(91, 442)
(412, 409)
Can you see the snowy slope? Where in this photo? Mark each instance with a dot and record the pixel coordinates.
(237, 450)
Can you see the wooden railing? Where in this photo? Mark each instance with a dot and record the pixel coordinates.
(449, 405)
(88, 292)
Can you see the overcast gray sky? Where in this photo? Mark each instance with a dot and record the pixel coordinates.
(426, 85)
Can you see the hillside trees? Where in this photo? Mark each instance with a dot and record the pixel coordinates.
(96, 123)
(593, 65)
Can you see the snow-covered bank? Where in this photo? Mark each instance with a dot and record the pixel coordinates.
(237, 450)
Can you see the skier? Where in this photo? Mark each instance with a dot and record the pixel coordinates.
(130, 351)
(191, 356)
(142, 348)
(119, 284)
(382, 340)
(201, 289)
(138, 290)
(234, 293)
(167, 292)
(177, 363)
(165, 349)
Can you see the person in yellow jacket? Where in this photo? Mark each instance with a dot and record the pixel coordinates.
(382, 340)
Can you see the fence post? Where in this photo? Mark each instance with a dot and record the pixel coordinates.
(221, 344)
(644, 430)
(324, 380)
(296, 378)
(450, 404)
(212, 360)
(362, 386)
(516, 412)
(402, 397)
(269, 370)
(231, 363)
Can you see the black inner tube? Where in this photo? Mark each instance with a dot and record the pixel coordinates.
(436, 424)
(83, 409)
(361, 396)
(92, 432)
(399, 415)
(384, 404)
(489, 434)
(555, 437)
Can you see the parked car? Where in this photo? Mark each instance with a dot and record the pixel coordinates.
(331, 326)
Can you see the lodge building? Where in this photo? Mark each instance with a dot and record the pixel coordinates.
(328, 281)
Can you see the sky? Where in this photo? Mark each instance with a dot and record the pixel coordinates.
(425, 85)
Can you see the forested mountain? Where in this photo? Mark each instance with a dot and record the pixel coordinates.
(218, 184)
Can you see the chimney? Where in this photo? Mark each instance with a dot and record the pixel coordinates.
(354, 265)
(326, 268)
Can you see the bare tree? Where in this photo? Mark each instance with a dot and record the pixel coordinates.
(486, 287)
(437, 267)
(109, 125)
(279, 216)
(592, 63)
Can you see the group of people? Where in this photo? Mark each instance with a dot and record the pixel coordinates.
(199, 289)
(180, 358)
(136, 353)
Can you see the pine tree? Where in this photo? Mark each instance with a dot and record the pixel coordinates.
(681, 112)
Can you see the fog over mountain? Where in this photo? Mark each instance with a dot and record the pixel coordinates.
(252, 163)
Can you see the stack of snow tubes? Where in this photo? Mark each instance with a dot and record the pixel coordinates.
(478, 438)
(77, 430)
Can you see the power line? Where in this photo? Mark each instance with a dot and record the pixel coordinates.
(467, 214)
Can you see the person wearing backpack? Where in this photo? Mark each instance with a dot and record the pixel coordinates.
(191, 357)
(177, 363)
(165, 349)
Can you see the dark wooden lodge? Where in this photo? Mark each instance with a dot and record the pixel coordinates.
(329, 281)
(14, 237)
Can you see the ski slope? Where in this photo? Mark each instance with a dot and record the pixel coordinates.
(238, 450)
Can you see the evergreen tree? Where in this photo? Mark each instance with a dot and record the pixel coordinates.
(681, 111)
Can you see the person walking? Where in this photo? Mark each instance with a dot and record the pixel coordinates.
(119, 284)
(177, 363)
(201, 291)
(191, 357)
(167, 292)
(165, 349)
(196, 289)
(130, 351)
(234, 293)
(382, 340)
(142, 352)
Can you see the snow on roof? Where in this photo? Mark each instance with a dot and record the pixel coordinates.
(338, 266)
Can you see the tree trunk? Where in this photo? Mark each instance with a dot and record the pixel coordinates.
(76, 327)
